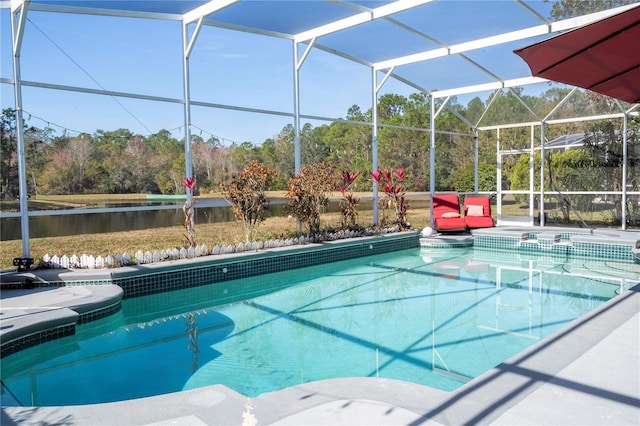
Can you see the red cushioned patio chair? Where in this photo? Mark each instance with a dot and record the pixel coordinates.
(477, 212)
(446, 213)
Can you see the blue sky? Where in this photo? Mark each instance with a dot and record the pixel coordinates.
(227, 67)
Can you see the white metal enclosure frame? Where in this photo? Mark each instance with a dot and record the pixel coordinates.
(353, 15)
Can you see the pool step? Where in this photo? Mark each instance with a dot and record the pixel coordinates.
(547, 241)
(566, 241)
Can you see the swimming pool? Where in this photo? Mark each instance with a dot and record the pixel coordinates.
(434, 317)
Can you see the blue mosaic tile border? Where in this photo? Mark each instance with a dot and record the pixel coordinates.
(564, 246)
(497, 242)
(47, 335)
(74, 282)
(99, 313)
(37, 338)
(220, 270)
(611, 251)
(445, 244)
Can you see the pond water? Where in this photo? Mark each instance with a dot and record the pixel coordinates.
(145, 216)
(138, 216)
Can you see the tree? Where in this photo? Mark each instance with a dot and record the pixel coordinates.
(464, 179)
(453, 149)
(36, 153)
(474, 110)
(284, 152)
(355, 114)
(572, 170)
(163, 143)
(508, 108)
(8, 155)
(406, 148)
(108, 143)
(349, 147)
(391, 108)
(269, 157)
(241, 155)
(519, 175)
(168, 156)
(563, 9)
(140, 162)
(204, 161)
(312, 146)
(36, 144)
(66, 173)
(604, 139)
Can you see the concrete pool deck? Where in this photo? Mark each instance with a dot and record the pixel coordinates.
(587, 373)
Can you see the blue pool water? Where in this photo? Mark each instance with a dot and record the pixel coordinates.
(438, 318)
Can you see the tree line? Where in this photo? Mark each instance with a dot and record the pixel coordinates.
(120, 162)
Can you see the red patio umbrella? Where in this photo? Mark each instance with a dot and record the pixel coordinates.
(603, 56)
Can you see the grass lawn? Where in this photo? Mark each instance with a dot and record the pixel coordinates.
(104, 244)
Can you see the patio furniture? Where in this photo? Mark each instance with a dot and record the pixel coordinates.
(477, 212)
(446, 213)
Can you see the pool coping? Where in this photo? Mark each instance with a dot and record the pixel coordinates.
(31, 316)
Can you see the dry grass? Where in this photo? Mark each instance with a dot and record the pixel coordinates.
(170, 237)
(163, 238)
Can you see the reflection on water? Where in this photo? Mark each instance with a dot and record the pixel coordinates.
(95, 223)
(119, 221)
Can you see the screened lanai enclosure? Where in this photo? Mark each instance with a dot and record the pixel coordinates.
(433, 86)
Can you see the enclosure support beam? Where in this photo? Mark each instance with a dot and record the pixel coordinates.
(543, 128)
(374, 138)
(375, 89)
(296, 109)
(432, 159)
(475, 161)
(187, 47)
(18, 19)
(625, 159)
(498, 177)
(297, 64)
(532, 185)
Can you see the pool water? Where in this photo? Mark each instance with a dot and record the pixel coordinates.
(437, 318)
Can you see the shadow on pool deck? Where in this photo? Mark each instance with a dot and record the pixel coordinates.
(587, 373)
